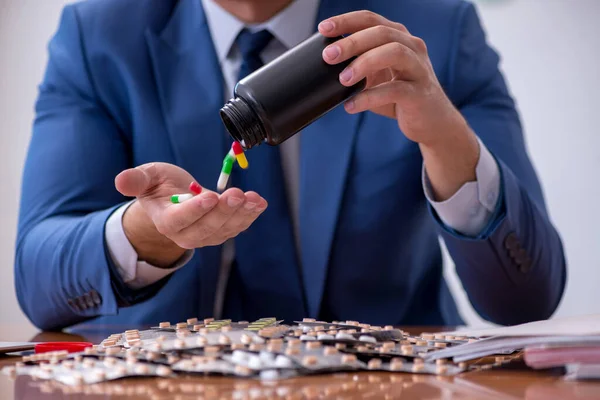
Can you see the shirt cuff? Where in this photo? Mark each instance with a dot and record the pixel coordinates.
(471, 208)
(136, 274)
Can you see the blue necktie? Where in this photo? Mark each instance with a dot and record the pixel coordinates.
(265, 275)
(250, 46)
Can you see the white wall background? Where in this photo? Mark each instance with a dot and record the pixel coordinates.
(551, 56)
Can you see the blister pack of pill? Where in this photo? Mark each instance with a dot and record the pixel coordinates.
(415, 366)
(263, 360)
(89, 370)
(134, 338)
(309, 357)
(389, 350)
(262, 349)
(193, 324)
(315, 357)
(206, 340)
(310, 322)
(207, 365)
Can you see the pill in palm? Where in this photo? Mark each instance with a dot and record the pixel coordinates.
(195, 188)
(180, 198)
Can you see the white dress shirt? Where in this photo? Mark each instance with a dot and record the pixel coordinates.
(467, 212)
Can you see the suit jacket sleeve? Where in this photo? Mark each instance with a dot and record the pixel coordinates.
(514, 271)
(63, 273)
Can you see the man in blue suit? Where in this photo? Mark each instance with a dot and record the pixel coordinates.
(356, 202)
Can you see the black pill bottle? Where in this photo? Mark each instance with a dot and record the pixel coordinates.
(278, 100)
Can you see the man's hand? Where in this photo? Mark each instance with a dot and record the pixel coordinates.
(161, 231)
(402, 84)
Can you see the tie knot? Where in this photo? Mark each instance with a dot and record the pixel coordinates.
(252, 44)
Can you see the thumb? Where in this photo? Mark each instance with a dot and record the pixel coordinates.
(135, 182)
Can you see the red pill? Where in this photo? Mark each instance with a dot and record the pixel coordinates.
(195, 188)
(237, 148)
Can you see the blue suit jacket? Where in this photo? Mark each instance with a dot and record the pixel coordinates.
(135, 81)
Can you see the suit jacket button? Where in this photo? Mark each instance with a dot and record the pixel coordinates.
(525, 267)
(81, 303)
(521, 256)
(73, 305)
(88, 300)
(511, 242)
(95, 297)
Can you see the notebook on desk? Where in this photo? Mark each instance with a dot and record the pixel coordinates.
(569, 331)
(566, 326)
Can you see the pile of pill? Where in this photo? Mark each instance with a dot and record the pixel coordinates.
(235, 154)
(265, 349)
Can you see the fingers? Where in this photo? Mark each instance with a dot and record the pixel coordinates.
(378, 97)
(136, 181)
(176, 217)
(244, 216)
(209, 224)
(226, 220)
(393, 55)
(355, 21)
(370, 38)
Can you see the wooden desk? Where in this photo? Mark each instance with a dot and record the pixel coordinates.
(508, 383)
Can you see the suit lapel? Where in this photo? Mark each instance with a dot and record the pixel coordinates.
(190, 88)
(326, 149)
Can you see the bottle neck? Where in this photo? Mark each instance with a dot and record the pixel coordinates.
(242, 123)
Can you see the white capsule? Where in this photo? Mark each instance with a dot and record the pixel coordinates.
(222, 182)
(307, 337)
